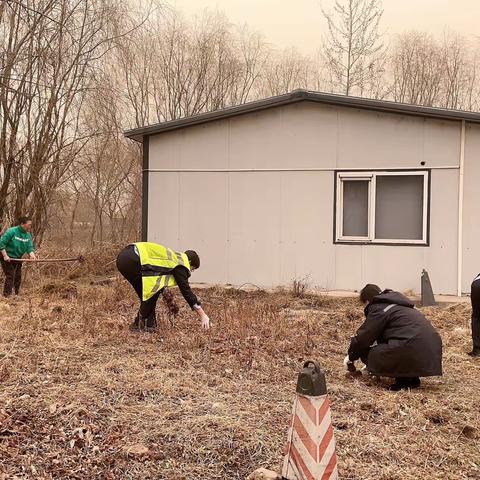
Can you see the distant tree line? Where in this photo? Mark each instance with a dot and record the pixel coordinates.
(75, 74)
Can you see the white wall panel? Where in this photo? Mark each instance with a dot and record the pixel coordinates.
(441, 142)
(306, 248)
(471, 212)
(395, 267)
(441, 256)
(378, 140)
(348, 267)
(164, 151)
(203, 223)
(309, 137)
(204, 146)
(256, 140)
(254, 228)
(163, 208)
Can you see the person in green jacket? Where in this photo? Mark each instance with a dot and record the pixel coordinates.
(14, 244)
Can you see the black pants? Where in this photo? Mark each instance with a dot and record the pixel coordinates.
(475, 298)
(13, 276)
(398, 380)
(128, 264)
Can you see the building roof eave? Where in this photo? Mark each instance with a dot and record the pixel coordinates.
(304, 95)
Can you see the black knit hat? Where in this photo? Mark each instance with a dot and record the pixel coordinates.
(193, 258)
(369, 291)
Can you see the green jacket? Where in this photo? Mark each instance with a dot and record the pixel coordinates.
(16, 241)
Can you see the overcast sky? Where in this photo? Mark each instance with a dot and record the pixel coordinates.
(300, 23)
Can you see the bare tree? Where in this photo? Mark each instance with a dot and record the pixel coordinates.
(187, 68)
(49, 50)
(430, 72)
(74, 75)
(417, 76)
(285, 72)
(105, 174)
(190, 68)
(353, 49)
(253, 56)
(458, 73)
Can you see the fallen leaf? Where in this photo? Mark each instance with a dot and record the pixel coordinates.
(263, 474)
(79, 432)
(88, 437)
(136, 450)
(217, 350)
(469, 431)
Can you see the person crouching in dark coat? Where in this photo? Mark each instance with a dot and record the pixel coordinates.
(395, 340)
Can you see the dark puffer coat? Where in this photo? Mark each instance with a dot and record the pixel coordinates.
(407, 343)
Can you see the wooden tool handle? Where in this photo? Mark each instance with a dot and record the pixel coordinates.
(45, 260)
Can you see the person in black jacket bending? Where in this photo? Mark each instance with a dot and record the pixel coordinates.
(395, 340)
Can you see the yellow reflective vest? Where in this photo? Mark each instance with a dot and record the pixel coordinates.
(157, 263)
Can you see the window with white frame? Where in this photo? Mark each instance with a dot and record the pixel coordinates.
(382, 207)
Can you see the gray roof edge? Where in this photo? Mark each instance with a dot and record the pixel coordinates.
(300, 95)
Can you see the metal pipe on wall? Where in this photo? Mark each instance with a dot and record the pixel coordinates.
(325, 169)
(460, 211)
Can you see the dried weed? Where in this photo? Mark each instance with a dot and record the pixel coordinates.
(82, 397)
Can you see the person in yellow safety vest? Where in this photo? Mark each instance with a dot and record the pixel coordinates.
(150, 268)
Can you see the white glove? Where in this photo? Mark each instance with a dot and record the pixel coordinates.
(205, 322)
(349, 364)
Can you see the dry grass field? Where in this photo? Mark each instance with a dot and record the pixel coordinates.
(81, 397)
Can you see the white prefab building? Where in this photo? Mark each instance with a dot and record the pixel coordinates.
(341, 190)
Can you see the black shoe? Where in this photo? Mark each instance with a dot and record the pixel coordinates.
(405, 384)
(135, 326)
(144, 325)
(151, 323)
(474, 353)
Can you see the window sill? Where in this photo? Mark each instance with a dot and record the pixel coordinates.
(393, 243)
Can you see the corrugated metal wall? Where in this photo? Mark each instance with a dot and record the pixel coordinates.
(269, 227)
(471, 211)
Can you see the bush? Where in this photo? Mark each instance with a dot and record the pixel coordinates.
(300, 286)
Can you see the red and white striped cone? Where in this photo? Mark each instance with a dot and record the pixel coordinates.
(310, 451)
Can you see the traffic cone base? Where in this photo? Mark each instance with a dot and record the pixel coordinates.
(311, 445)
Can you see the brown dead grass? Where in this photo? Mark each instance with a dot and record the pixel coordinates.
(82, 397)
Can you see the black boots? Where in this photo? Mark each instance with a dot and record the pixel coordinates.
(406, 383)
(148, 324)
(136, 323)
